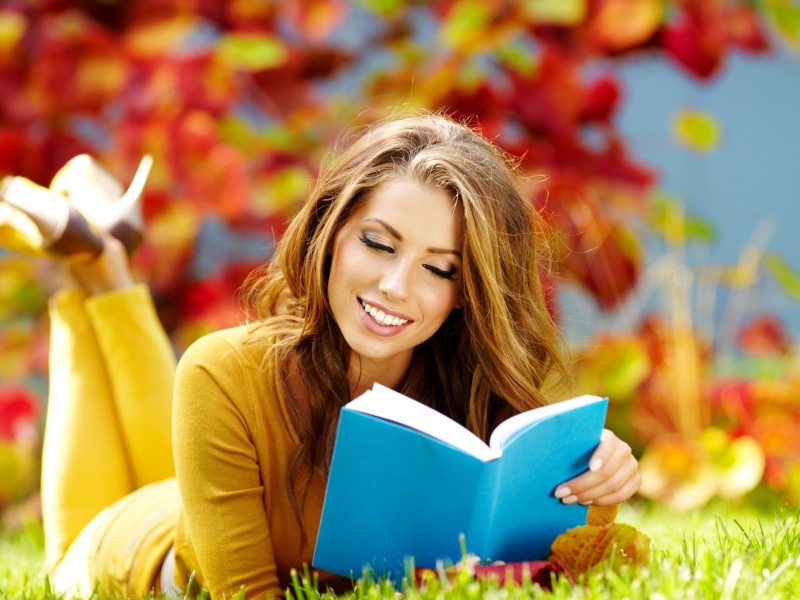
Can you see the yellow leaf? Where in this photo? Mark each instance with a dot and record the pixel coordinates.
(676, 472)
(252, 51)
(18, 472)
(785, 18)
(738, 465)
(554, 12)
(581, 549)
(621, 24)
(465, 24)
(614, 368)
(384, 7)
(159, 37)
(696, 130)
(12, 26)
(786, 277)
(285, 189)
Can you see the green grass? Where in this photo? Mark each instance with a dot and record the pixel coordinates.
(722, 551)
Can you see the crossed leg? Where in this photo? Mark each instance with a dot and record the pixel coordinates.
(108, 427)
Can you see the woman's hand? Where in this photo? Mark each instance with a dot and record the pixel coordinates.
(613, 475)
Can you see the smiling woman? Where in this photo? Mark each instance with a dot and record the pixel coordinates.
(394, 277)
(415, 263)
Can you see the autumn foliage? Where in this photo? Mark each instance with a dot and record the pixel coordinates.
(237, 102)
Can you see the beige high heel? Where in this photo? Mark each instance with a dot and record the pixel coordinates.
(98, 195)
(68, 220)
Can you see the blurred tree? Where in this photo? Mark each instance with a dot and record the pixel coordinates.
(237, 101)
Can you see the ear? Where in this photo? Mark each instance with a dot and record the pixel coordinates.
(461, 301)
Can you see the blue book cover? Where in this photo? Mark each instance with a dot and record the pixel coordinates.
(407, 481)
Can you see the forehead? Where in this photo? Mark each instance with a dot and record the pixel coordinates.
(417, 207)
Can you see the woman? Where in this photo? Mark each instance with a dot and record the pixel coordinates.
(415, 263)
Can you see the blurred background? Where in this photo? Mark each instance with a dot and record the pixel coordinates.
(666, 129)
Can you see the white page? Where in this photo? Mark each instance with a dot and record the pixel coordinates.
(393, 406)
(504, 432)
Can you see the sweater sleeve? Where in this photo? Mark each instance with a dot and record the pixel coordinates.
(218, 472)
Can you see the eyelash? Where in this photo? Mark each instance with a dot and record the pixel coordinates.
(372, 244)
(436, 272)
(448, 275)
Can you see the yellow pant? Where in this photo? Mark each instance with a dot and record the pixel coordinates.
(107, 434)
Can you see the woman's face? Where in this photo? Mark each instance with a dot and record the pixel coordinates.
(396, 271)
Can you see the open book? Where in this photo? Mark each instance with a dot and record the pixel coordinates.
(406, 481)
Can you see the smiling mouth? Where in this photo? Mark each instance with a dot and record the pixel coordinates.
(381, 317)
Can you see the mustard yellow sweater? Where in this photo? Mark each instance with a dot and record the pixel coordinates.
(233, 444)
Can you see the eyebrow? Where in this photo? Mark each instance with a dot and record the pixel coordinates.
(398, 236)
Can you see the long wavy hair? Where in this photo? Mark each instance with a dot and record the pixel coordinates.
(497, 356)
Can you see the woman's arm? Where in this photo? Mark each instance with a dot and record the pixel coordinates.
(613, 475)
(218, 472)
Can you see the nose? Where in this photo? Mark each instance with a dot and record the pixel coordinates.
(395, 281)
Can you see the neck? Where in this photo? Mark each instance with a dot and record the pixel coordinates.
(363, 373)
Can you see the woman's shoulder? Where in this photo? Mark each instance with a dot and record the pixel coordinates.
(226, 347)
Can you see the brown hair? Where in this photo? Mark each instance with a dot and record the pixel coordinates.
(497, 356)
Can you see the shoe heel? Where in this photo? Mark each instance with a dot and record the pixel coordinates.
(41, 222)
(128, 224)
(98, 195)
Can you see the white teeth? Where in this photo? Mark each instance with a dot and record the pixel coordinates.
(381, 317)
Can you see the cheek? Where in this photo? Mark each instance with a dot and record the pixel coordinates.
(346, 265)
(442, 299)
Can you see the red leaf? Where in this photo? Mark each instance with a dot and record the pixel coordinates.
(219, 183)
(19, 408)
(731, 400)
(605, 259)
(601, 99)
(697, 44)
(79, 66)
(743, 29)
(203, 83)
(764, 335)
(550, 103)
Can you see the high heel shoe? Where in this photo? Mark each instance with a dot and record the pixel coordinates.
(69, 219)
(98, 195)
(34, 220)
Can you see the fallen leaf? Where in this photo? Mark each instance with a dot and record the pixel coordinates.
(582, 549)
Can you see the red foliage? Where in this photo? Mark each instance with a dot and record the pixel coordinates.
(19, 410)
(120, 79)
(764, 335)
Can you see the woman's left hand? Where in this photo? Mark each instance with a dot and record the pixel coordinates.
(613, 475)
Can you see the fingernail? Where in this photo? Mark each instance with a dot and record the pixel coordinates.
(570, 500)
(587, 503)
(595, 465)
(562, 492)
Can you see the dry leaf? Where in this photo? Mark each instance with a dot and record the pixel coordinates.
(583, 548)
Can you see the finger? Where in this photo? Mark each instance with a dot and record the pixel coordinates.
(604, 450)
(620, 486)
(606, 479)
(610, 453)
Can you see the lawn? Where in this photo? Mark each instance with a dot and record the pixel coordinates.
(722, 551)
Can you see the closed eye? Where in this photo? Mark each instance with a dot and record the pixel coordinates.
(377, 246)
(441, 274)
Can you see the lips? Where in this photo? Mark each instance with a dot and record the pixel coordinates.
(381, 321)
(381, 317)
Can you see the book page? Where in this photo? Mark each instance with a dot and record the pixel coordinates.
(388, 404)
(508, 429)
